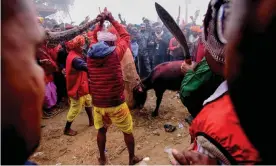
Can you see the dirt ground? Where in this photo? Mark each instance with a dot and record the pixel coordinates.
(150, 137)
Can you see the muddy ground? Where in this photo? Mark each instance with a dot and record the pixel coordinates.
(150, 137)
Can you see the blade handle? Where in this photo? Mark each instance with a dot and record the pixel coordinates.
(188, 61)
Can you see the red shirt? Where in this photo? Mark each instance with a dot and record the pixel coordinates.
(218, 122)
(200, 53)
(173, 44)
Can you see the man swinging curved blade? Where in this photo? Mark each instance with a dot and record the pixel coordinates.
(107, 85)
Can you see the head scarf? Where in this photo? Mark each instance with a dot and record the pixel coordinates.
(77, 43)
(106, 36)
(196, 29)
(214, 26)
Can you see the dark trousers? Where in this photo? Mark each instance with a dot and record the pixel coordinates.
(167, 58)
(137, 64)
(158, 59)
(194, 102)
(151, 53)
(60, 83)
(144, 64)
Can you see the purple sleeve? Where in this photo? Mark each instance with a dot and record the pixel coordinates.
(79, 64)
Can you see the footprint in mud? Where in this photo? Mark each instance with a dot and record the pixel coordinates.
(55, 133)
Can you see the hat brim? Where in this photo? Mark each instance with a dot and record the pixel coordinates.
(105, 53)
(109, 50)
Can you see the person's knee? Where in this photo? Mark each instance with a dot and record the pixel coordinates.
(128, 134)
(88, 108)
(70, 117)
(102, 131)
(73, 113)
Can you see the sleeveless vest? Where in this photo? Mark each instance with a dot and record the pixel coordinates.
(106, 85)
(76, 81)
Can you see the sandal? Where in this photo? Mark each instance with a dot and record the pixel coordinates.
(135, 160)
(102, 162)
(46, 115)
(70, 132)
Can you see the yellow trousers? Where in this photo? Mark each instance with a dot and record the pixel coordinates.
(77, 105)
(120, 116)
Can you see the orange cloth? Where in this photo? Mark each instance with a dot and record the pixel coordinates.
(76, 43)
(196, 29)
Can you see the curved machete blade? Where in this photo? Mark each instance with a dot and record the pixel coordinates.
(173, 28)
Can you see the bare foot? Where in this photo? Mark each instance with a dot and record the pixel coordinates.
(70, 132)
(102, 162)
(135, 160)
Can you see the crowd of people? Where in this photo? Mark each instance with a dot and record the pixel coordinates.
(86, 73)
(152, 44)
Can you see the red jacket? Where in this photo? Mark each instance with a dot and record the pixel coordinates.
(219, 124)
(76, 81)
(199, 53)
(90, 34)
(49, 69)
(173, 44)
(53, 52)
(107, 85)
(42, 54)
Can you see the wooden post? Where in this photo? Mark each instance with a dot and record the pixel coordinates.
(186, 10)
(68, 12)
(178, 17)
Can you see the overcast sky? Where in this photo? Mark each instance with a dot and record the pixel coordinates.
(134, 10)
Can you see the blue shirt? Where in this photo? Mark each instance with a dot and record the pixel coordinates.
(134, 48)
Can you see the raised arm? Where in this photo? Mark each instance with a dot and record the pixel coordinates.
(98, 28)
(123, 42)
(93, 39)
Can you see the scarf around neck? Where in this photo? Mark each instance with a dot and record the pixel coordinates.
(159, 35)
